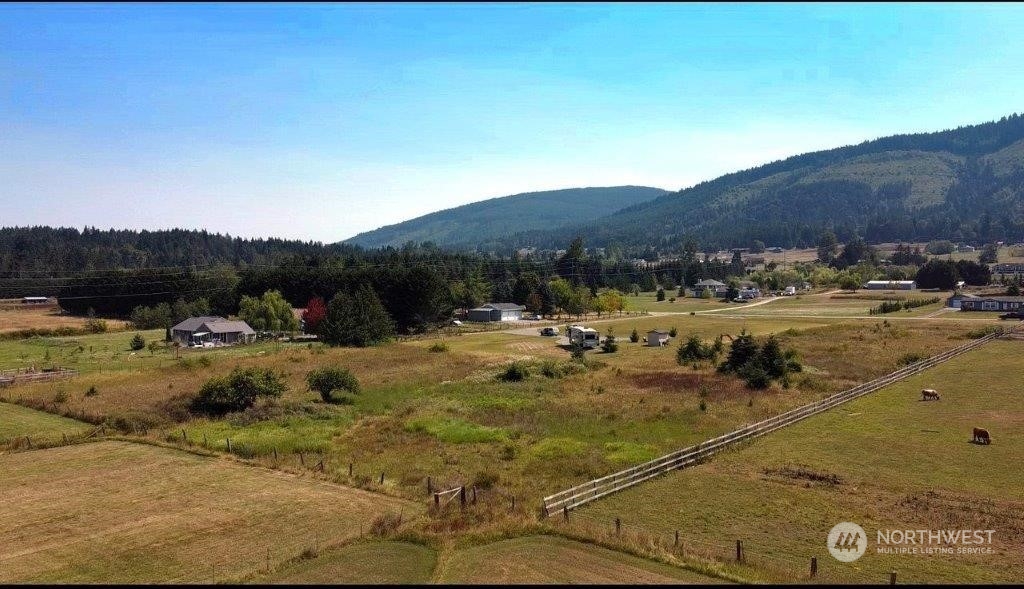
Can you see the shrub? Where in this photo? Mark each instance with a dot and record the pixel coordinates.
(61, 397)
(138, 342)
(204, 361)
(134, 422)
(703, 406)
(660, 296)
(237, 391)
(609, 346)
(910, 358)
(634, 336)
(327, 380)
(91, 392)
(755, 376)
(673, 332)
(93, 325)
(485, 479)
(515, 372)
(693, 350)
(438, 347)
(577, 353)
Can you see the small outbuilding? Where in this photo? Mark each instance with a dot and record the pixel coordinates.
(718, 289)
(657, 338)
(890, 285)
(497, 312)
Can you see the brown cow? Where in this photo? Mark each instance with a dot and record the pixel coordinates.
(981, 436)
(927, 394)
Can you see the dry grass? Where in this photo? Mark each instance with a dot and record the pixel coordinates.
(45, 318)
(374, 562)
(118, 512)
(886, 461)
(550, 559)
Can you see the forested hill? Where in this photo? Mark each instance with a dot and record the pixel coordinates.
(964, 184)
(499, 217)
(49, 250)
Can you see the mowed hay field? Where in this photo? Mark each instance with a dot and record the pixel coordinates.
(17, 319)
(372, 562)
(556, 560)
(18, 422)
(885, 461)
(119, 512)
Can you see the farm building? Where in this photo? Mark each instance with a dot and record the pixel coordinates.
(992, 304)
(965, 248)
(890, 285)
(956, 300)
(497, 312)
(657, 338)
(717, 288)
(34, 300)
(212, 330)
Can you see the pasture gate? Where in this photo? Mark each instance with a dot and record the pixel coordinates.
(573, 497)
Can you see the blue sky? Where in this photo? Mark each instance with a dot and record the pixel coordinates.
(320, 121)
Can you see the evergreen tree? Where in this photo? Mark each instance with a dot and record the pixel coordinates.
(356, 320)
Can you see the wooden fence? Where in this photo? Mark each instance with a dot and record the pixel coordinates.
(584, 493)
(12, 377)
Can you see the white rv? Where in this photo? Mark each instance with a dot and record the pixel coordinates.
(584, 336)
(790, 291)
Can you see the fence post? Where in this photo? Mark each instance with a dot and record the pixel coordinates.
(565, 512)
(275, 454)
(349, 469)
(229, 444)
(430, 487)
(462, 496)
(437, 499)
(184, 436)
(676, 543)
(618, 526)
(739, 550)
(814, 566)
(892, 578)
(28, 441)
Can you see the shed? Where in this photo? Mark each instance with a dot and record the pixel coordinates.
(890, 285)
(657, 338)
(497, 312)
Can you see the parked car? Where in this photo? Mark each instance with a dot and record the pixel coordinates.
(549, 331)
(1013, 315)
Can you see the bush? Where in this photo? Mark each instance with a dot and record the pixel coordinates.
(92, 392)
(578, 352)
(693, 350)
(61, 397)
(660, 296)
(609, 346)
(237, 391)
(93, 325)
(634, 336)
(138, 342)
(515, 372)
(438, 347)
(327, 380)
(673, 332)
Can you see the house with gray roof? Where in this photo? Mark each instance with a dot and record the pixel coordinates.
(210, 330)
(497, 312)
(717, 288)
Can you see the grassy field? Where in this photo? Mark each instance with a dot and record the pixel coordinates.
(648, 301)
(42, 428)
(16, 319)
(118, 512)
(886, 461)
(463, 424)
(554, 560)
(372, 562)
